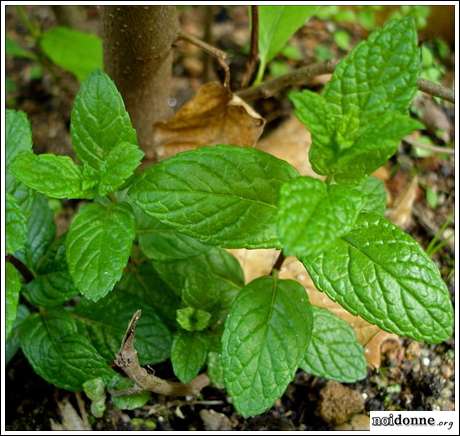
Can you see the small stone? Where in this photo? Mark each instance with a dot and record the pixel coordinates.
(425, 361)
(213, 420)
(339, 403)
(446, 371)
(357, 423)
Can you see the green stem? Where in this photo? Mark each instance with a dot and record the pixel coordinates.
(260, 73)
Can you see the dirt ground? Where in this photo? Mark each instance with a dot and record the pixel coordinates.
(412, 376)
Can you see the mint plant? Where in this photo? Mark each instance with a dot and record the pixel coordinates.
(154, 240)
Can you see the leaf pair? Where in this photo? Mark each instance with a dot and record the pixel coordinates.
(270, 332)
(359, 120)
(103, 139)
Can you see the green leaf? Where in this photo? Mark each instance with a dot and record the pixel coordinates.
(209, 281)
(266, 336)
(12, 343)
(276, 26)
(163, 243)
(375, 143)
(51, 289)
(362, 116)
(52, 175)
(18, 135)
(13, 49)
(130, 401)
(16, 225)
(121, 161)
(188, 355)
(18, 138)
(98, 247)
(58, 353)
(222, 195)
(313, 214)
(334, 352)
(77, 52)
(52, 284)
(375, 196)
(381, 274)
(99, 122)
(41, 231)
(145, 284)
(215, 369)
(95, 391)
(379, 74)
(13, 287)
(192, 319)
(105, 323)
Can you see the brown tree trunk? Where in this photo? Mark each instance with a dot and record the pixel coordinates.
(138, 57)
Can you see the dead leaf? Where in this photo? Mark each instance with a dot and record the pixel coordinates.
(401, 212)
(291, 142)
(213, 116)
(369, 336)
(255, 263)
(70, 419)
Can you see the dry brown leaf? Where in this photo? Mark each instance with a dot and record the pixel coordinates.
(401, 212)
(370, 336)
(291, 142)
(255, 263)
(213, 116)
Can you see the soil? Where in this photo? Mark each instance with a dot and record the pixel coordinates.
(413, 376)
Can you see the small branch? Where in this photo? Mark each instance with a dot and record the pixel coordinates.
(128, 361)
(433, 148)
(254, 52)
(436, 90)
(297, 77)
(279, 262)
(27, 275)
(303, 75)
(220, 55)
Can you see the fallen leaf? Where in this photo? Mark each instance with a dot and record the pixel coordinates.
(369, 336)
(213, 116)
(255, 263)
(401, 212)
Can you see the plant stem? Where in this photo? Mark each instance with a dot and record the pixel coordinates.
(220, 55)
(279, 262)
(27, 275)
(303, 75)
(128, 361)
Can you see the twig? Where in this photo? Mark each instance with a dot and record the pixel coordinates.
(279, 262)
(254, 52)
(303, 75)
(436, 90)
(27, 275)
(433, 148)
(220, 55)
(128, 361)
(297, 77)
